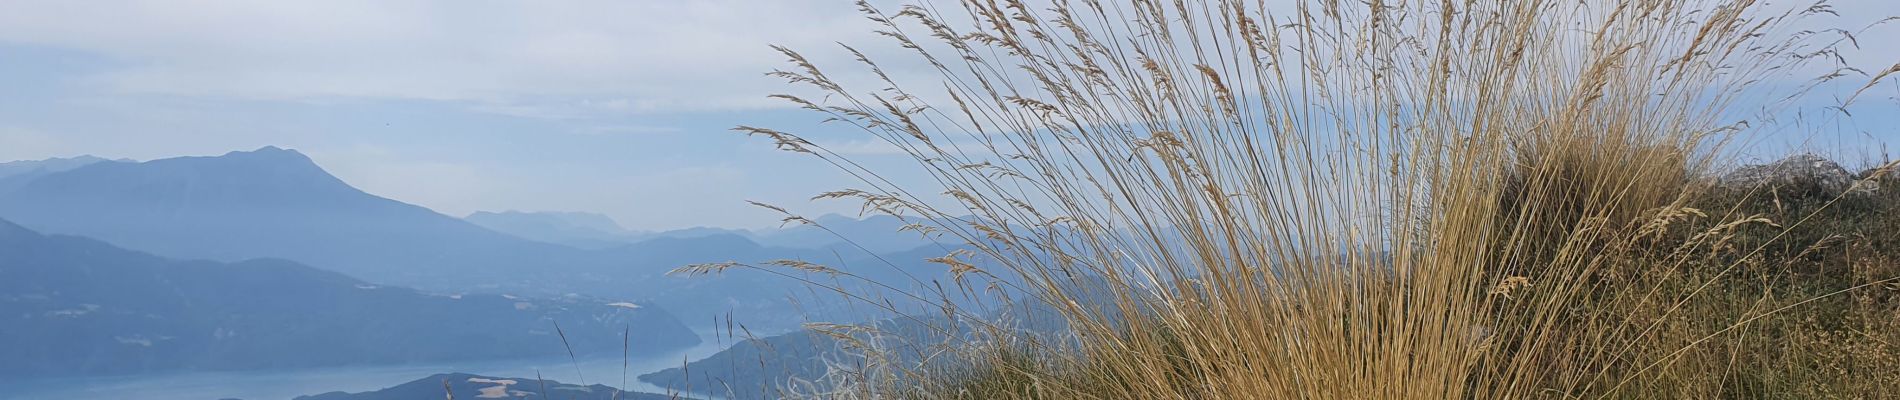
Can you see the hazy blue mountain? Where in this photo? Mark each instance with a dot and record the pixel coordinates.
(577, 229)
(877, 234)
(757, 297)
(267, 203)
(73, 305)
(14, 174)
(775, 299)
(55, 164)
(277, 203)
(693, 232)
(466, 386)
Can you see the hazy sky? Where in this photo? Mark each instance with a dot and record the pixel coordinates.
(619, 107)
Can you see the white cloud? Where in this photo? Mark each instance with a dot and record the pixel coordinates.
(534, 58)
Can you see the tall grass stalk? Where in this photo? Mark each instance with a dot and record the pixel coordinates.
(1332, 199)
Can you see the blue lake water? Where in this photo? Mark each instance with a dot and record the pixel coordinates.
(287, 384)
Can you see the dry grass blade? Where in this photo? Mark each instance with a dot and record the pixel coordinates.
(570, 353)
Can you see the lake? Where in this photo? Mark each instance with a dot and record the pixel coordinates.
(287, 384)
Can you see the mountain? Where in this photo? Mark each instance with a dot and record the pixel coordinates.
(56, 164)
(583, 229)
(577, 229)
(693, 232)
(14, 174)
(277, 203)
(877, 234)
(75, 306)
(466, 386)
(268, 203)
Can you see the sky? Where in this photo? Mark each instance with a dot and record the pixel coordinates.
(617, 107)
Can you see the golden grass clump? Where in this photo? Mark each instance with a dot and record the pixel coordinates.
(1329, 199)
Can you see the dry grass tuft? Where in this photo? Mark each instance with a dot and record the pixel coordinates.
(1378, 199)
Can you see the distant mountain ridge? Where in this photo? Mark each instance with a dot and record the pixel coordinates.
(278, 203)
(578, 229)
(55, 164)
(581, 229)
(877, 233)
(270, 202)
(14, 174)
(77, 306)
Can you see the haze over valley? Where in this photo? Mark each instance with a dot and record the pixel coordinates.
(261, 260)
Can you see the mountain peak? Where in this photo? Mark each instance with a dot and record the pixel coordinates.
(270, 153)
(270, 202)
(270, 166)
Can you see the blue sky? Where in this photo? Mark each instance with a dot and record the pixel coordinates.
(618, 107)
